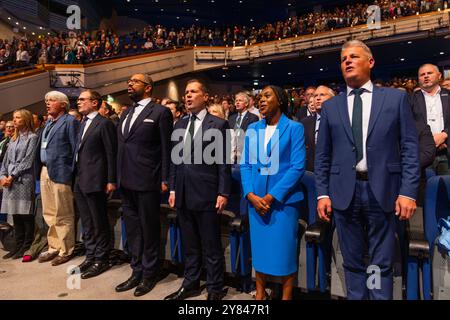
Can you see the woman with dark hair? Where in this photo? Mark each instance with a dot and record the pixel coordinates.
(272, 166)
(18, 181)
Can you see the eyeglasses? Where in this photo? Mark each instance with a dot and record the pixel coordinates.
(10, 127)
(134, 81)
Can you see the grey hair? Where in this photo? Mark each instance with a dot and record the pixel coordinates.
(58, 96)
(357, 43)
(244, 95)
(330, 91)
(431, 65)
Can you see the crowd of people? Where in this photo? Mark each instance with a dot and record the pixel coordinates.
(86, 47)
(148, 152)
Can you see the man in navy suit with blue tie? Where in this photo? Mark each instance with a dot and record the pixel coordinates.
(367, 171)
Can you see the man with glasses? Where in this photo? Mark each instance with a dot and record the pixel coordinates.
(95, 178)
(311, 124)
(143, 161)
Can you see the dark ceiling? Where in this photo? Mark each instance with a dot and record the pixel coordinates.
(392, 60)
(215, 12)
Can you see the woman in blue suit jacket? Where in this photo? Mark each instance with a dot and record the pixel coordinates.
(271, 168)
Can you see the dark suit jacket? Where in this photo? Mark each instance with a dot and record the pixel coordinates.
(302, 113)
(392, 150)
(248, 119)
(197, 186)
(60, 149)
(427, 147)
(420, 108)
(310, 141)
(143, 158)
(97, 152)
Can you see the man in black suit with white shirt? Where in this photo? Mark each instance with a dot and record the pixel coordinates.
(199, 189)
(143, 163)
(311, 124)
(95, 177)
(431, 104)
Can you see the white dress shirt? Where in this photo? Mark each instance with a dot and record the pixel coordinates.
(137, 111)
(90, 117)
(270, 130)
(366, 98)
(435, 115)
(198, 123)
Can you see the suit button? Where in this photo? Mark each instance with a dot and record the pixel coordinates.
(353, 149)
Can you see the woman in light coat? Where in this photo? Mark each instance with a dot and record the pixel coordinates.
(18, 180)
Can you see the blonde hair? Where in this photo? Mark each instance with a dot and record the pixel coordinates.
(27, 118)
(218, 108)
(357, 43)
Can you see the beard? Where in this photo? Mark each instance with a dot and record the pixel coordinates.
(135, 96)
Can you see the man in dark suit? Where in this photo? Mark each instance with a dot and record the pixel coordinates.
(95, 177)
(239, 123)
(143, 165)
(312, 123)
(306, 110)
(199, 190)
(431, 105)
(367, 172)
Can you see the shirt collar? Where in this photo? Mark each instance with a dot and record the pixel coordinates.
(144, 102)
(243, 113)
(92, 115)
(438, 92)
(201, 115)
(368, 86)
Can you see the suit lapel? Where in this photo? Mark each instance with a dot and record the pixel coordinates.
(121, 121)
(445, 107)
(343, 112)
(244, 122)
(148, 109)
(377, 105)
(422, 105)
(206, 124)
(57, 125)
(281, 129)
(91, 128)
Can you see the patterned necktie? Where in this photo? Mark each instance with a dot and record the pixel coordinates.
(357, 123)
(238, 121)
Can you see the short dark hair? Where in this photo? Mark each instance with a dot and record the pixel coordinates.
(178, 105)
(95, 96)
(202, 84)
